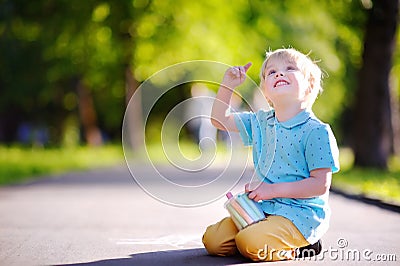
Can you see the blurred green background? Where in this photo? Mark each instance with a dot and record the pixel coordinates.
(69, 67)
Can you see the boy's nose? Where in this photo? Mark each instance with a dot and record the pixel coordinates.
(279, 74)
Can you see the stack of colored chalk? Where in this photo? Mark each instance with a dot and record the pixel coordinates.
(243, 210)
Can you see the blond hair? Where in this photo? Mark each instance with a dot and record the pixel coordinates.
(308, 67)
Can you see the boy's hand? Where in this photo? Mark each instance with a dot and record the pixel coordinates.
(235, 76)
(257, 191)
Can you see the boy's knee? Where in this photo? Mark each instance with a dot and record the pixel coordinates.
(219, 239)
(252, 246)
(209, 242)
(249, 246)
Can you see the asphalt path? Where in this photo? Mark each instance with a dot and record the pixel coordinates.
(102, 217)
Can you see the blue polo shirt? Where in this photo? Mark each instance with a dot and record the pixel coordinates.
(287, 152)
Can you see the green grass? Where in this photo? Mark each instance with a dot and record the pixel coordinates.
(384, 185)
(18, 164)
(370, 182)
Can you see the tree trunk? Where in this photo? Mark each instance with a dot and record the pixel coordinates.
(134, 112)
(88, 116)
(395, 120)
(373, 138)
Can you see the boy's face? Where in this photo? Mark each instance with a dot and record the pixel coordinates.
(284, 82)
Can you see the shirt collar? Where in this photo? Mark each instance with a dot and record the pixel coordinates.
(297, 120)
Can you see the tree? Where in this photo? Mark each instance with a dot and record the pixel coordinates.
(71, 62)
(123, 21)
(373, 136)
(20, 71)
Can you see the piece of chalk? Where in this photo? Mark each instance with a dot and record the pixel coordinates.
(246, 206)
(241, 211)
(255, 206)
(237, 220)
(229, 195)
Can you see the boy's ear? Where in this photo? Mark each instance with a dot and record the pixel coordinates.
(311, 82)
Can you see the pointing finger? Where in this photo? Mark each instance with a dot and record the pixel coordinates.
(247, 66)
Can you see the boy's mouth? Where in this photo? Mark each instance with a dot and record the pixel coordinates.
(280, 82)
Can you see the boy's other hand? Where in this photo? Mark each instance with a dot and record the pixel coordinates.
(259, 191)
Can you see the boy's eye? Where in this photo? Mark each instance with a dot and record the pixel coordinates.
(291, 68)
(271, 72)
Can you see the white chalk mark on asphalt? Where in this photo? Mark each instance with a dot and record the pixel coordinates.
(177, 241)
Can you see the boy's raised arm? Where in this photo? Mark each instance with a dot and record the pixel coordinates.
(233, 77)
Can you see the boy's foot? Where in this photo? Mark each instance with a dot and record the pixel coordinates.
(310, 250)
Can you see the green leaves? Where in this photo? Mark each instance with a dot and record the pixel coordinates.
(49, 45)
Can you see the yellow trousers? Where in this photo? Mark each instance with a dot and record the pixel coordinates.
(275, 238)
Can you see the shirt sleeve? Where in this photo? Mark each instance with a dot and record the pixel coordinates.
(243, 124)
(321, 149)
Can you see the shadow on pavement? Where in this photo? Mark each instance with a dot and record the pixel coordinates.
(197, 256)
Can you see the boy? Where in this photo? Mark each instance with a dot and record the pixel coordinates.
(294, 156)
